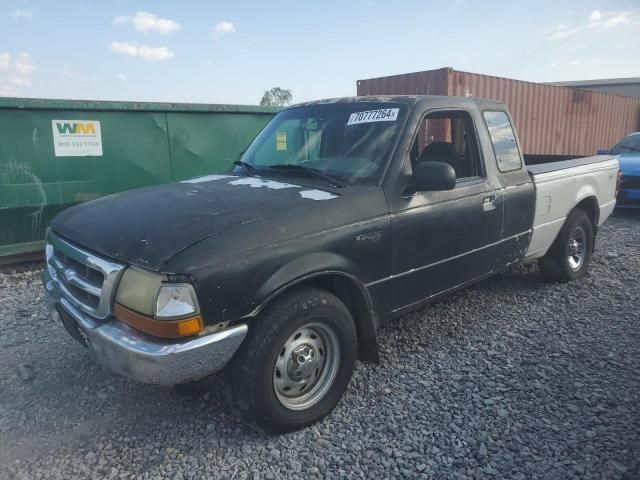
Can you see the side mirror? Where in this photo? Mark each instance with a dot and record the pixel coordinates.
(603, 151)
(434, 176)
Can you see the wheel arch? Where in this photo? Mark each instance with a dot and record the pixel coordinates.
(352, 293)
(590, 205)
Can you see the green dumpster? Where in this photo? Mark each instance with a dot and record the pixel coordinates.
(56, 153)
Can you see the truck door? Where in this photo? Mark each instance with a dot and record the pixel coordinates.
(442, 240)
(520, 196)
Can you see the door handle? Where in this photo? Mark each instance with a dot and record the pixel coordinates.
(489, 203)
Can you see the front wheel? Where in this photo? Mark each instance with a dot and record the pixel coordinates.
(296, 361)
(570, 255)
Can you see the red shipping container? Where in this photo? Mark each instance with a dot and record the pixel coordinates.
(550, 120)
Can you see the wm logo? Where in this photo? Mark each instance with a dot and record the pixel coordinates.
(76, 128)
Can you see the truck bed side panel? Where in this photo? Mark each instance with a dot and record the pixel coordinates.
(559, 190)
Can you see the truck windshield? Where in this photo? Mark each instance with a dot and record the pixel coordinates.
(347, 142)
(629, 144)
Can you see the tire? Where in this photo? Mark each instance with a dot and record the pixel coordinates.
(311, 327)
(569, 256)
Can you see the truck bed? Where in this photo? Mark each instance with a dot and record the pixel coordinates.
(564, 164)
(587, 182)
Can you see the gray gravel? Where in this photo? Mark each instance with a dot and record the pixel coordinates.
(511, 378)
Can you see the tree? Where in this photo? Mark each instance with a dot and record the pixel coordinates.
(276, 97)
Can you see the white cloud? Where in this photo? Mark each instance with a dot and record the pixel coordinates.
(19, 81)
(15, 73)
(8, 91)
(563, 31)
(145, 22)
(5, 62)
(122, 77)
(24, 13)
(23, 64)
(595, 16)
(574, 62)
(223, 28)
(124, 48)
(613, 19)
(150, 54)
(597, 20)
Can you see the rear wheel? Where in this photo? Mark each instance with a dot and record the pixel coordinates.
(570, 255)
(296, 362)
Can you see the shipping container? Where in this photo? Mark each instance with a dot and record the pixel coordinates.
(56, 153)
(550, 120)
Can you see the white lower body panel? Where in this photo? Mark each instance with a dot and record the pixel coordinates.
(606, 210)
(542, 237)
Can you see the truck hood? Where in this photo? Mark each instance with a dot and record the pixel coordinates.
(629, 163)
(148, 226)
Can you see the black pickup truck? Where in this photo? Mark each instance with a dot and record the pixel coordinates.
(341, 215)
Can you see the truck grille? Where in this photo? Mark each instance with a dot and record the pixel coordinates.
(85, 280)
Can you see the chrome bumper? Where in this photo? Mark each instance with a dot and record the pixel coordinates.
(142, 357)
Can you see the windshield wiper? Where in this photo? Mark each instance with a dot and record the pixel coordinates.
(245, 166)
(311, 172)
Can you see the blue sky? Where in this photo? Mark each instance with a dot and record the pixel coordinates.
(230, 52)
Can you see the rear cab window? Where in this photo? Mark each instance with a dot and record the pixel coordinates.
(503, 139)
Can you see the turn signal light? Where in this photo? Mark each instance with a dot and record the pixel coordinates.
(190, 326)
(159, 328)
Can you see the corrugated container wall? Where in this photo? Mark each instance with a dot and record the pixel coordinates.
(56, 153)
(550, 120)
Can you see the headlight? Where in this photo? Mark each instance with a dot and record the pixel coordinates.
(138, 290)
(144, 301)
(175, 300)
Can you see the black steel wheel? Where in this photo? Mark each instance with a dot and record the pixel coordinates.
(296, 362)
(570, 255)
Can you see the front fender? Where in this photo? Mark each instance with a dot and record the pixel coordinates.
(329, 273)
(304, 268)
(237, 287)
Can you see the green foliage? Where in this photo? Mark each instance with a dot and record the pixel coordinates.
(276, 97)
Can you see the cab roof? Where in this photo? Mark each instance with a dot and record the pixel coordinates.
(409, 100)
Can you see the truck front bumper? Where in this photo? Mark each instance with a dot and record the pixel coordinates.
(629, 195)
(139, 356)
(629, 198)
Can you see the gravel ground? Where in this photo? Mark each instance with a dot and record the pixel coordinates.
(510, 378)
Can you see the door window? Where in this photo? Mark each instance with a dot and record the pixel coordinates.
(449, 136)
